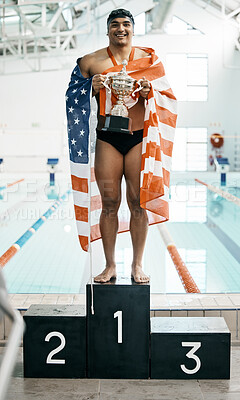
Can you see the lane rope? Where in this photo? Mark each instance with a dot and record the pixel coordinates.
(11, 184)
(228, 196)
(187, 280)
(6, 257)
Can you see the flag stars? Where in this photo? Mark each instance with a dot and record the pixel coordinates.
(66, 98)
(80, 153)
(76, 101)
(84, 111)
(82, 133)
(83, 91)
(76, 82)
(76, 121)
(73, 142)
(70, 109)
(74, 90)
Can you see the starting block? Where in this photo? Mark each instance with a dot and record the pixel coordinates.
(222, 166)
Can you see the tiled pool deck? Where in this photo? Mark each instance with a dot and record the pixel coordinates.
(199, 305)
(165, 305)
(108, 389)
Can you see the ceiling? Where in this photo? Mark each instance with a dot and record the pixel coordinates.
(47, 28)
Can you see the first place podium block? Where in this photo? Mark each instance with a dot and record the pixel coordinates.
(190, 348)
(55, 342)
(119, 330)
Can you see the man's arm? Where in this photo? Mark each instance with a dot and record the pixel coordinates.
(85, 64)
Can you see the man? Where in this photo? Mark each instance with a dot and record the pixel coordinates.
(120, 154)
(110, 164)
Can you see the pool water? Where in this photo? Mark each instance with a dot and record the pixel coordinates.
(204, 226)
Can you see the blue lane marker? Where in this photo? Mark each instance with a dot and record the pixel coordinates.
(30, 232)
(227, 242)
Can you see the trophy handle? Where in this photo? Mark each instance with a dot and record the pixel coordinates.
(140, 87)
(105, 83)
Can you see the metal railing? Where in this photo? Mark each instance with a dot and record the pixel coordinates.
(11, 350)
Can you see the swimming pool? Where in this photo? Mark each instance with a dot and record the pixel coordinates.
(204, 226)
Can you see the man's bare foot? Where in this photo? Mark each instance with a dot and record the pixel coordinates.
(138, 274)
(107, 274)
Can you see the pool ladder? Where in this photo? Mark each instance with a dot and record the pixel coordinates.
(10, 353)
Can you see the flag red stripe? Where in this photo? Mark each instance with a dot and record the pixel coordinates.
(168, 93)
(83, 242)
(153, 184)
(81, 213)
(161, 205)
(154, 150)
(79, 184)
(166, 117)
(151, 73)
(166, 177)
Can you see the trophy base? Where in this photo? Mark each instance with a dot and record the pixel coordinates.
(116, 123)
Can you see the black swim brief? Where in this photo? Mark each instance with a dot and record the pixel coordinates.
(121, 141)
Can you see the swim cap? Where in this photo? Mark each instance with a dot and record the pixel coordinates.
(119, 13)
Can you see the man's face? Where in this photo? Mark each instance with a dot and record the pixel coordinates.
(120, 31)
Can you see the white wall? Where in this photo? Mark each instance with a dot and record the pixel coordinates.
(32, 114)
(32, 105)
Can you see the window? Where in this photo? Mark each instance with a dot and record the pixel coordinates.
(190, 150)
(188, 203)
(188, 76)
(139, 27)
(179, 27)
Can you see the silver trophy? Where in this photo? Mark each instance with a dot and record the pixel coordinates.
(122, 85)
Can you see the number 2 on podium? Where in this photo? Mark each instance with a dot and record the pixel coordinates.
(51, 360)
(118, 315)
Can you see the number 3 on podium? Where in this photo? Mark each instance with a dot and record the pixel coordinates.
(195, 346)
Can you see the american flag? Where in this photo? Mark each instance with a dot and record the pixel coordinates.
(159, 127)
(80, 115)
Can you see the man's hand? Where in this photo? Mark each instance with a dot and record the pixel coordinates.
(146, 87)
(97, 83)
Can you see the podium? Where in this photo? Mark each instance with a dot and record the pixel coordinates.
(116, 342)
(54, 342)
(190, 348)
(119, 331)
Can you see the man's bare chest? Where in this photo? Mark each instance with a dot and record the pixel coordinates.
(100, 66)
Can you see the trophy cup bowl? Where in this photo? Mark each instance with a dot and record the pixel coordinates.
(122, 85)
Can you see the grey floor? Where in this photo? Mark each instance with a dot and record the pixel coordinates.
(94, 389)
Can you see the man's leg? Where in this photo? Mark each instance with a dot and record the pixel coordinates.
(139, 220)
(109, 172)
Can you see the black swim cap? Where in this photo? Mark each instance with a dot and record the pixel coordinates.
(120, 13)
